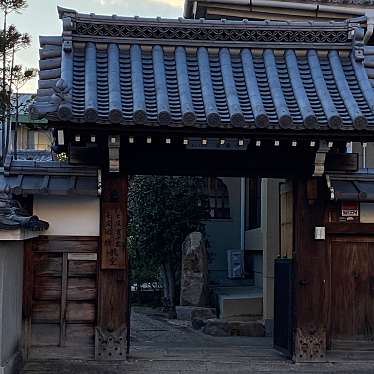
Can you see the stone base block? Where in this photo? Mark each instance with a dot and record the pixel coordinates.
(110, 345)
(13, 365)
(310, 344)
(219, 327)
(189, 313)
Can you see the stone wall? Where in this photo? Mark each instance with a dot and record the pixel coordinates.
(11, 285)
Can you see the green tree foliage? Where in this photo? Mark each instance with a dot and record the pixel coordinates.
(11, 41)
(162, 212)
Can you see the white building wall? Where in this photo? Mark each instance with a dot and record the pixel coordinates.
(224, 234)
(264, 244)
(69, 215)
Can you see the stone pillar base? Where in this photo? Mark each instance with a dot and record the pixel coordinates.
(310, 345)
(13, 365)
(110, 346)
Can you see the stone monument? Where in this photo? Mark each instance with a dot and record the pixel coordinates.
(194, 276)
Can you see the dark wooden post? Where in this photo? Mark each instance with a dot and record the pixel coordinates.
(111, 330)
(311, 272)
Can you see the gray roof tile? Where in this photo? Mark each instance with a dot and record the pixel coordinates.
(298, 75)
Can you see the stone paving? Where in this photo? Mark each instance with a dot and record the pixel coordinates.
(161, 346)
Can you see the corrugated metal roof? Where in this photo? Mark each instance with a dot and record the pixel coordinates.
(298, 75)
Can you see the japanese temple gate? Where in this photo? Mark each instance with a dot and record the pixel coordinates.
(126, 96)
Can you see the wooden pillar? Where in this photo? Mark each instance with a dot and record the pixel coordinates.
(311, 272)
(113, 298)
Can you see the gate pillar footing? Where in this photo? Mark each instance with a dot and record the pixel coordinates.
(110, 345)
(310, 345)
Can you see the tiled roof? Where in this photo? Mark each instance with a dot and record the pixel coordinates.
(333, 9)
(13, 217)
(357, 186)
(47, 178)
(205, 73)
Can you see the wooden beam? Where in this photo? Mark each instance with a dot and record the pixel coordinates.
(28, 282)
(311, 276)
(341, 162)
(350, 228)
(113, 296)
(173, 159)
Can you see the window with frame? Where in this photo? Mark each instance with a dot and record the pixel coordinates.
(253, 203)
(217, 198)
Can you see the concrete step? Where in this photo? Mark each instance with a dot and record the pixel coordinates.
(239, 301)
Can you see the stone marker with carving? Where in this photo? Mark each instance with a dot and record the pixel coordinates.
(194, 278)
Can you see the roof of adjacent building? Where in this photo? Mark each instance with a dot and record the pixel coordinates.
(243, 74)
(277, 9)
(358, 186)
(39, 176)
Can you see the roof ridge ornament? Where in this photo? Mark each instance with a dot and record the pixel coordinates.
(224, 31)
(358, 43)
(66, 12)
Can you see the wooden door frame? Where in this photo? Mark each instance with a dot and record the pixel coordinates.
(340, 232)
(47, 244)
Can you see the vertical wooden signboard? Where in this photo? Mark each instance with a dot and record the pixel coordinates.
(111, 331)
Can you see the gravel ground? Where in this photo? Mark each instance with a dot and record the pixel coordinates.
(162, 346)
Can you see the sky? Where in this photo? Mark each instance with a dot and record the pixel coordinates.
(41, 18)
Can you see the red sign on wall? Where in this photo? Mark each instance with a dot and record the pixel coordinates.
(350, 209)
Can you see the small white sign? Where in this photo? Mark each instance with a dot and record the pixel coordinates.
(320, 233)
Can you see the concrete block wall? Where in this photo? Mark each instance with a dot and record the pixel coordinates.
(11, 286)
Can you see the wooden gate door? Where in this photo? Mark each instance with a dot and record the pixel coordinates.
(60, 297)
(283, 306)
(352, 289)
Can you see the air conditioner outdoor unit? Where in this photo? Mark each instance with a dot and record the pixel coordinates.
(234, 264)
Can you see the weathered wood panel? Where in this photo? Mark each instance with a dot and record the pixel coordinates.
(113, 300)
(311, 273)
(81, 289)
(66, 244)
(47, 264)
(342, 296)
(286, 220)
(80, 312)
(46, 334)
(28, 284)
(82, 268)
(78, 334)
(46, 311)
(352, 307)
(113, 307)
(352, 301)
(370, 305)
(47, 288)
(60, 296)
